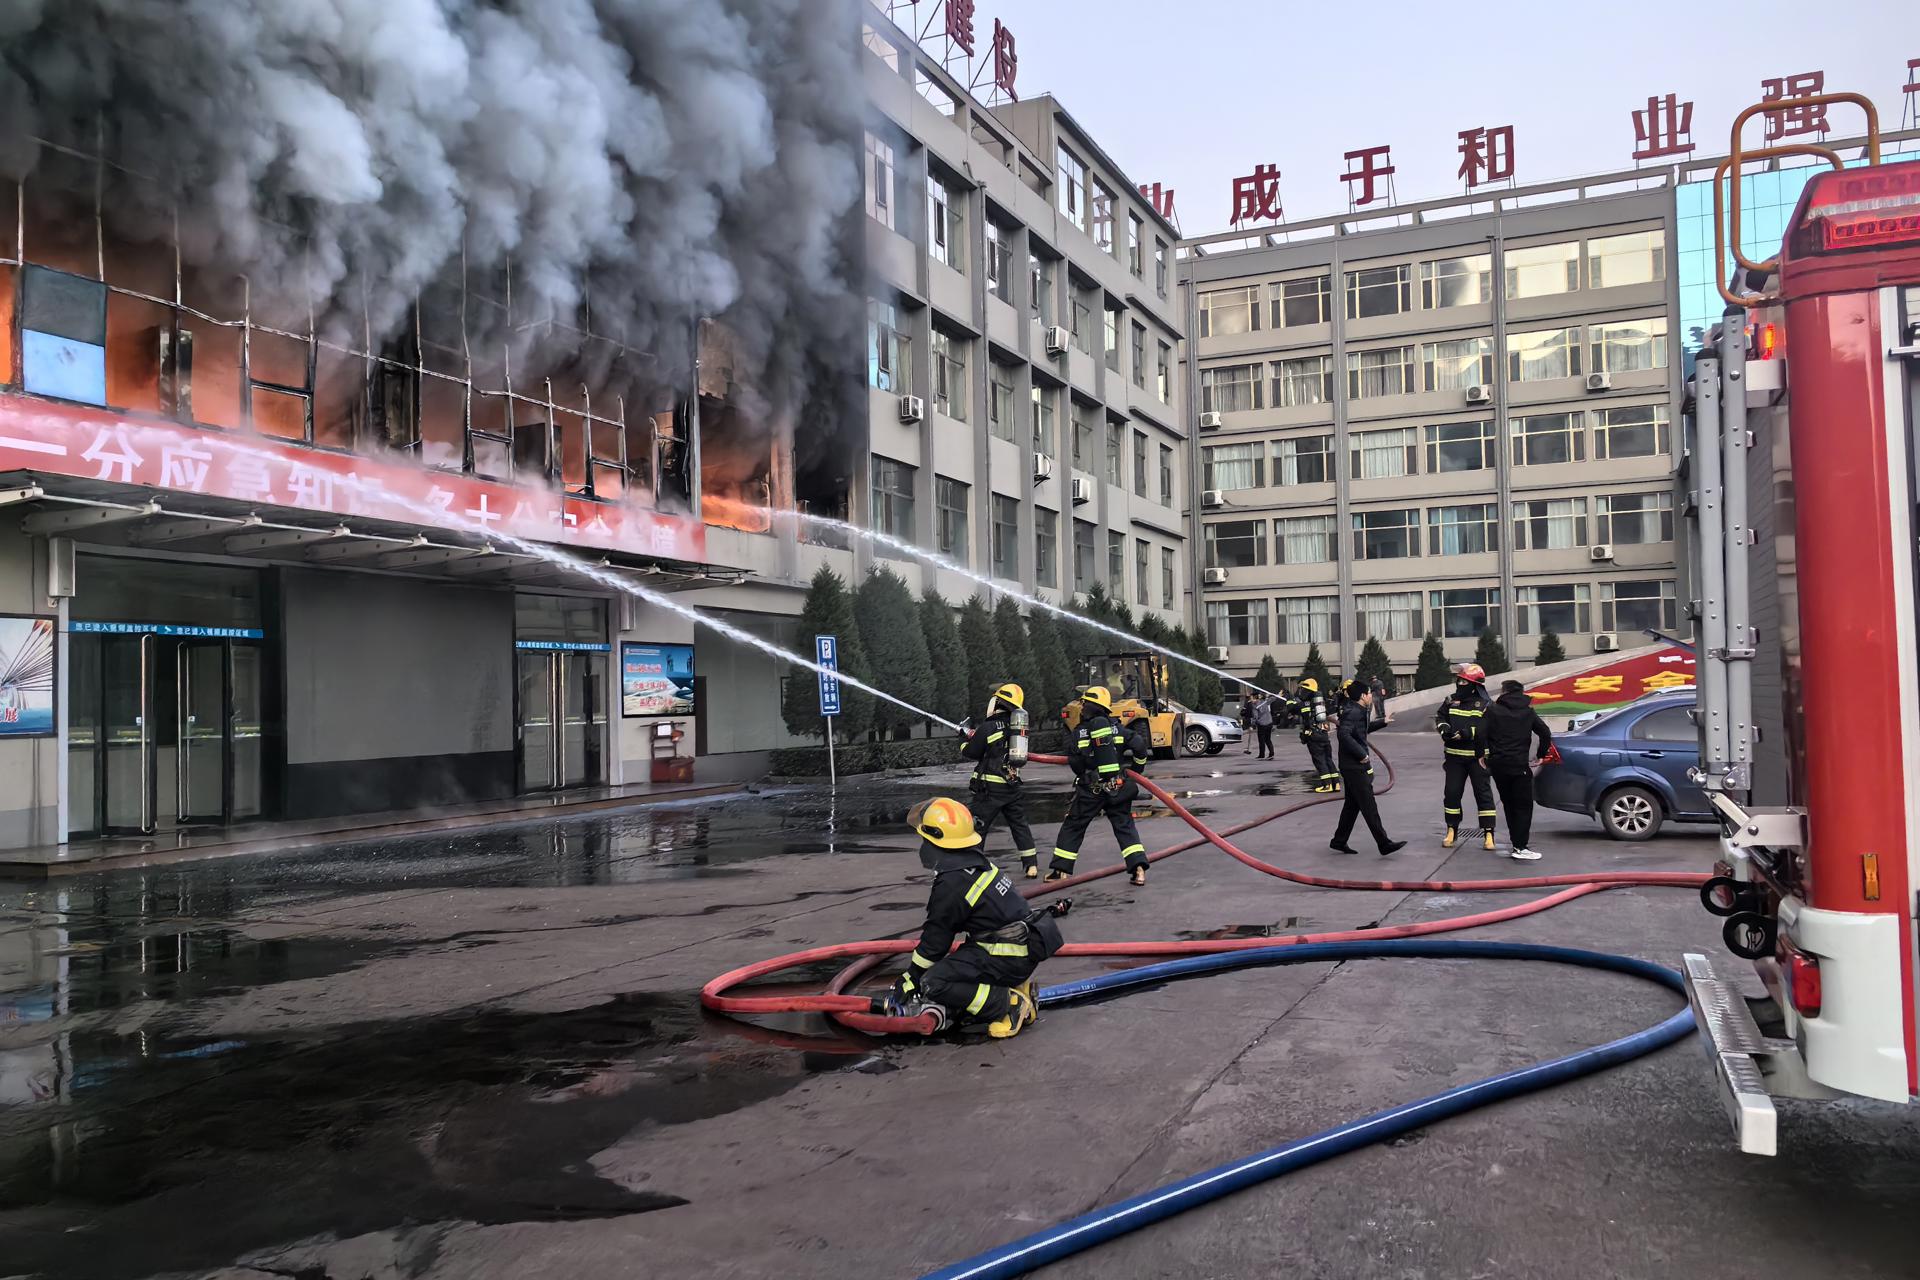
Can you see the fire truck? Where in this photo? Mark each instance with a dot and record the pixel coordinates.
(1800, 477)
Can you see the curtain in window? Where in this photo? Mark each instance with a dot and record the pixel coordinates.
(1306, 541)
(1234, 466)
(1383, 453)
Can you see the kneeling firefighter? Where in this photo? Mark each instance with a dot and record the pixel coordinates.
(1314, 720)
(1098, 754)
(998, 749)
(989, 977)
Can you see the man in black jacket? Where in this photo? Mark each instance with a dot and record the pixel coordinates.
(998, 749)
(1511, 726)
(1357, 719)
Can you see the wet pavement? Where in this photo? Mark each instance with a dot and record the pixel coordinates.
(482, 1054)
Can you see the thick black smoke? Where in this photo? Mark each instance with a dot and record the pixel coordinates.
(650, 160)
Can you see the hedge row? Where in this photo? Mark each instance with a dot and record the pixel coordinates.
(878, 757)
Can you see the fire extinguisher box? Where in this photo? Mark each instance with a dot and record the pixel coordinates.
(673, 769)
(668, 764)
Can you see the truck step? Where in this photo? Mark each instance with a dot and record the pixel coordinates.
(1732, 1040)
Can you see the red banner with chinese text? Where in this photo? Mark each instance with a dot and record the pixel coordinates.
(1617, 683)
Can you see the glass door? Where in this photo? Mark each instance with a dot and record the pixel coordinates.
(84, 817)
(245, 716)
(200, 731)
(583, 696)
(538, 742)
(126, 737)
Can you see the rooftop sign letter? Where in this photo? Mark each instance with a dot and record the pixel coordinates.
(1366, 172)
(1257, 194)
(1486, 155)
(1663, 128)
(1798, 117)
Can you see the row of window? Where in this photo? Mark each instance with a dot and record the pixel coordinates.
(1618, 346)
(1085, 201)
(1542, 439)
(893, 514)
(1531, 271)
(1565, 608)
(1458, 529)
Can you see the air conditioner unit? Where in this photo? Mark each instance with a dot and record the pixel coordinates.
(1216, 653)
(1042, 467)
(1211, 421)
(1479, 395)
(1056, 340)
(1600, 551)
(912, 408)
(1605, 642)
(1599, 382)
(1214, 577)
(1082, 491)
(1212, 498)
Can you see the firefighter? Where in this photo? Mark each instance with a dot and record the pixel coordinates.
(1313, 731)
(1461, 721)
(1098, 755)
(989, 977)
(998, 749)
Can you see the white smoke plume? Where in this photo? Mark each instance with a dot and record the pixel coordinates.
(654, 160)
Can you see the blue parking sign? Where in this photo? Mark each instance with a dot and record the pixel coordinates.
(826, 652)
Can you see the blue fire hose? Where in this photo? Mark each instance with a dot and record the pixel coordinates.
(1101, 1225)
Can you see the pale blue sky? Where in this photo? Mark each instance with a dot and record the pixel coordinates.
(1193, 92)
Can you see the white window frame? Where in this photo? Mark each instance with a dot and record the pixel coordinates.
(1287, 456)
(1318, 288)
(1231, 388)
(1526, 352)
(1606, 422)
(1541, 270)
(1628, 346)
(1523, 435)
(1389, 615)
(1438, 276)
(1650, 244)
(1304, 539)
(1549, 524)
(1226, 313)
(1376, 365)
(1454, 364)
(1255, 538)
(1472, 529)
(1384, 454)
(1298, 374)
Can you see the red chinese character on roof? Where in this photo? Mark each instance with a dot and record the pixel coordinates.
(1257, 194)
(1802, 117)
(1664, 128)
(1006, 59)
(1160, 197)
(960, 24)
(1367, 172)
(1486, 155)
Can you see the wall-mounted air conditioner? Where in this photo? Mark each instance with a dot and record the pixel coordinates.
(1212, 498)
(1042, 467)
(1479, 395)
(912, 408)
(1211, 421)
(1605, 642)
(1082, 491)
(1056, 340)
(1214, 577)
(1599, 382)
(1600, 551)
(1216, 653)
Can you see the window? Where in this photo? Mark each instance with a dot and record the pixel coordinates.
(1541, 269)
(1628, 346)
(1303, 460)
(1071, 187)
(1457, 364)
(1637, 606)
(1304, 380)
(1233, 466)
(1565, 608)
(1386, 535)
(1380, 454)
(1000, 400)
(1116, 437)
(1160, 267)
(1379, 291)
(1464, 611)
(1639, 432)
(1082, 555)
(1463, 530)
(1459, 446)
(1113, 340)
(1639, 257)
(1117, 565)
(999, 262)
(950, 375)
(946, 223)
(1236, 544)
(1550, 524)
(1305, 619)
(1044, 441)
(1233, 388)
(1301, 302)
(1006, 537)
(1668, 724)
(1142, 579)
(1139, 355)
(1136, 251)
(1543, 354)
(1456, 282)
(1082, 325)
(1543, 439)
(893, 497)
(1163, 378)
(1166, 475)
(1386, 372)
(880, 182)
(1100, 208)
(1236, 622)
(1225, 312)
(1139, 465)
(937, 94)
(880, 47)
(1390, 615)
(1634, 519)
(1303, 540)
(1046, 547)
(889, 349)
(950, 516)
(1166, 578)
(1083, 439)
(1040, 287)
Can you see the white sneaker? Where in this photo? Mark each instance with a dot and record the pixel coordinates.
(1525, 855)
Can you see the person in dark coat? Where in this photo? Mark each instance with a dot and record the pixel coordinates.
(1512, 726)
(1263, 726)
(1248, 699)
(1357, 719)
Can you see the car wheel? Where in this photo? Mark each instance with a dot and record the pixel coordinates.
(1216, 748)
(1631, 813)
(1196, 741)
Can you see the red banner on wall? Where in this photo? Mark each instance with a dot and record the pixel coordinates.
(69, 440)
(1617, 683)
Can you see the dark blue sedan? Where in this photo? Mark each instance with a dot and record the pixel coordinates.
(1629, 769)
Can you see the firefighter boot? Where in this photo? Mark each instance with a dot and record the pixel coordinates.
(1138, 876)
(1486, 838)
(1452, 838)
(1017, 1017)
(1031, 990)
(1030, 865)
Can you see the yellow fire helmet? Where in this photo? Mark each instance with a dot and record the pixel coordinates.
(1011, 694)
(1097, 694)
(944, 822)
(1310, 685)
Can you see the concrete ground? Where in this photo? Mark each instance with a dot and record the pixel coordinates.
(481, 1055)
